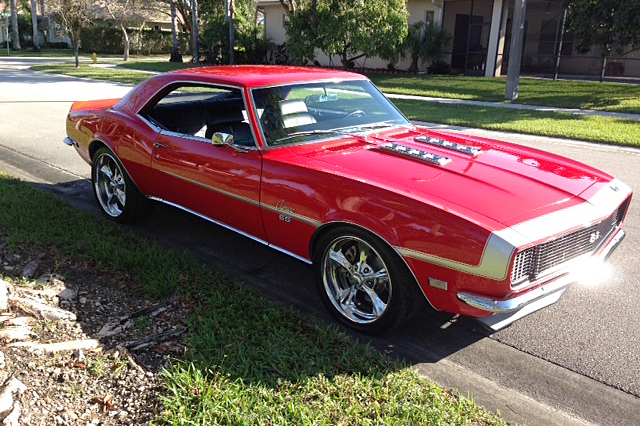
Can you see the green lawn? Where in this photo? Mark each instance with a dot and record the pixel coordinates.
(155, 66)
(571, 126)
(581, 127)
(88, 71)
(564, 94)
(52, 53)
(248, 361)
(68, 53)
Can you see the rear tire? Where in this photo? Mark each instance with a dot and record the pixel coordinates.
(363, 283)
(115, 192)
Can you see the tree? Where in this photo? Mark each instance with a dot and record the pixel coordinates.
(34, 26)
(350, 29)
(15, 36)
(73, 16)
(176, 56)
(608, 24)
(124, 13)
(290, 6)
(425, 45)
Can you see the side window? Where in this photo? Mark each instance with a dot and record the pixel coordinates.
(201, 111)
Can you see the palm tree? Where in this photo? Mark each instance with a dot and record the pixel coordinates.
(176, 56)
(425, 44)
(34, 26)
(15, 37)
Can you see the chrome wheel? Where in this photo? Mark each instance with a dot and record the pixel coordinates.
(356, 279)
(110, 185)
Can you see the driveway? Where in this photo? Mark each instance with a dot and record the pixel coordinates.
(580, 356)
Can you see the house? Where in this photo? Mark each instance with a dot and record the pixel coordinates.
(481, 31)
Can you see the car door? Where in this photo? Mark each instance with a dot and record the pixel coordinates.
(221, 183)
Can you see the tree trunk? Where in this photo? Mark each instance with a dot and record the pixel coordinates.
(44, 23)
(15, 36)
(34, 26)
(176, 56)
(414, 64)
(195, 34)
(604, 67)
(75, 50)
(127, 42)
(231, 9)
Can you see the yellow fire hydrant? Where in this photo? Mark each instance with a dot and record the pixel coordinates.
(95, 58)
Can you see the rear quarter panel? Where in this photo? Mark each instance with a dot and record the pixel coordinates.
(127, 135)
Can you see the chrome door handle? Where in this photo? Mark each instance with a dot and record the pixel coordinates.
(161, 145)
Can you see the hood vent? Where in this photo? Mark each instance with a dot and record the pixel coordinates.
(465, 149)
(415, 153)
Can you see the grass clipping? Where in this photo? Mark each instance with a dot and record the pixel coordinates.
(248, 362)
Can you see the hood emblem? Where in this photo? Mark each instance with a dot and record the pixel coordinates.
(415, 153)
(465, 149)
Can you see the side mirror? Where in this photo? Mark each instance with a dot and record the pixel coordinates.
(220, 139)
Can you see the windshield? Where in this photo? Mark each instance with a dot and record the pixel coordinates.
(304, 112)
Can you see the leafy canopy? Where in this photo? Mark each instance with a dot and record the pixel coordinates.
(608, 24)
(350, 29)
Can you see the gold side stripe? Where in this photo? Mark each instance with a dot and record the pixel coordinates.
(274, 209)
(214, 189)
(296, 216)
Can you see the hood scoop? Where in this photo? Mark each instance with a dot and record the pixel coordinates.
(414, 153)
(465, 149)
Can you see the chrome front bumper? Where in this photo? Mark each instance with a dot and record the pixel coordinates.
(506, 311)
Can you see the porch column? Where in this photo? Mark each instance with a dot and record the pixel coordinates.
(494, 39)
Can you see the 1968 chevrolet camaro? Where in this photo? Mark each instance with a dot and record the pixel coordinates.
(320, 165)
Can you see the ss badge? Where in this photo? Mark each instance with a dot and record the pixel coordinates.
(285, 218)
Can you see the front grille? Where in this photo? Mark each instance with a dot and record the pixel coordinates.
(534, 261)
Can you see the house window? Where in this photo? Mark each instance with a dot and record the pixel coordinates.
(429, 17)
(549, 39)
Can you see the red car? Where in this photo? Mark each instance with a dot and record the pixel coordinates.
(320, 165)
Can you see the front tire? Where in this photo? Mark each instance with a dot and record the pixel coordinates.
(362, 281)
(115, 192)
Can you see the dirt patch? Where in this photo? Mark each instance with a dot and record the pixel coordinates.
(86, 344)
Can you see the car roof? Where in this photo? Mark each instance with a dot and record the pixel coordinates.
(263, 75)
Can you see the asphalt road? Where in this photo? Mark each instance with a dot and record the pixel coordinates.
(580, 356)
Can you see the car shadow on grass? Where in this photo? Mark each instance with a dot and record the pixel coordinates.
(289, 336)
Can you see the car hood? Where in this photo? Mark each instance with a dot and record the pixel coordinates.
(507, 183)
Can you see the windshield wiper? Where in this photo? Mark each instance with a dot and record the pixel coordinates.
(352, 131)
(369, 126)
(317, 132)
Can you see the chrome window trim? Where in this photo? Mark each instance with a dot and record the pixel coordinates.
(502, 245)
(319, 140)
(231, 228)
(160, 130)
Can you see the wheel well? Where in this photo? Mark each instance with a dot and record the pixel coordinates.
(94, 146)
(329, 226)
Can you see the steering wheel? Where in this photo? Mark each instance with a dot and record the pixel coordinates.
(356, 113)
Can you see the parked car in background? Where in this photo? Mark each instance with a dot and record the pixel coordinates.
(320, 165)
